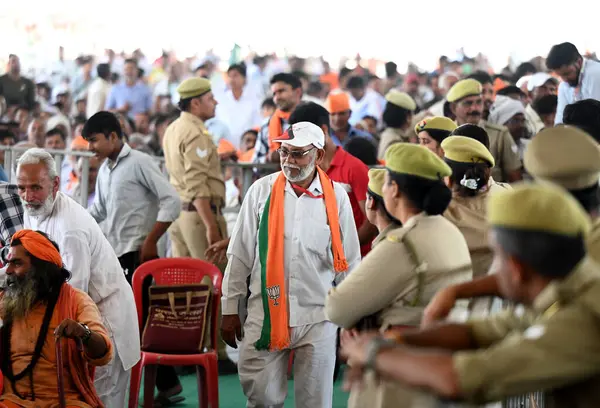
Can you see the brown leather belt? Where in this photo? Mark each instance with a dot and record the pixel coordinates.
(190, 207)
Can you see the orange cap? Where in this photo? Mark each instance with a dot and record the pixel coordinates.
(337, 102)
(79, 143)
(225, 146)
(499, 84)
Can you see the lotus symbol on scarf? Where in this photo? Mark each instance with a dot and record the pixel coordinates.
(273, 292)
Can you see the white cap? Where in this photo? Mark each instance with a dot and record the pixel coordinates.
(523, 80)
(538, 79)
(503, 109)
(303, 134)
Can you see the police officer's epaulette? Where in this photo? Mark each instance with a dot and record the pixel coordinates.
(398, 235)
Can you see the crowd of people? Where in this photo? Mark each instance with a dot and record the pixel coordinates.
(399, 202)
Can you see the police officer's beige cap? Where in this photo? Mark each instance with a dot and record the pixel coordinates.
(463, 149)
(564, 155)
(539, 207)
(464, 88)
(376, 179)
(415, 160)
(193, 87)
(401, 99)
(436, 123)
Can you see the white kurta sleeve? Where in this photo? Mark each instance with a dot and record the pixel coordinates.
(76, 255)
(562, 102)
(241, 254)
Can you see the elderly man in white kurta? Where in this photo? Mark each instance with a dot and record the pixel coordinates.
(295, 238)
(93, 264)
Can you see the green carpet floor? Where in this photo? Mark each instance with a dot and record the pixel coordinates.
(231, 395)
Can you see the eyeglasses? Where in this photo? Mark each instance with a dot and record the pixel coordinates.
(294, 154)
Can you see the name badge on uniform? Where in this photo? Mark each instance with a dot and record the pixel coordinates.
(201, 153)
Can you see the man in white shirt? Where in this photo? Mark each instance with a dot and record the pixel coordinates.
(238, 106)
(129, 184)
(363, 101)
(92, 262)
(98, 91)
(295, 238)
(581, 76)
(539, 85)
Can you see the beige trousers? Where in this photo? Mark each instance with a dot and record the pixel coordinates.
(188, 239)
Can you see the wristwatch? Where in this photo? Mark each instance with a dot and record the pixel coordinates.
(374, 347)
(88, 333)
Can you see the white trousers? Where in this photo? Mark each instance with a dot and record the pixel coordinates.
(112, 382)
(263, 374)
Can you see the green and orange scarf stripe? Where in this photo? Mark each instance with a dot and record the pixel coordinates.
(275, 334)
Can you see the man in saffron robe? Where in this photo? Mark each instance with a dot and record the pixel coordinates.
(38, 308)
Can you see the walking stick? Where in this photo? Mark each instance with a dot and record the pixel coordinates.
(59, 370)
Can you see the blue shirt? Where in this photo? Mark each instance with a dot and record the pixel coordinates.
(139, 98)
(352, 132)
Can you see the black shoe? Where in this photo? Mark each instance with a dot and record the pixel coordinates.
(227, 367)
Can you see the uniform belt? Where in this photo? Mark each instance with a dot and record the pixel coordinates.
(216, 209)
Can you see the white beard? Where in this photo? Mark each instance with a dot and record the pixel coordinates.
(303, 174)
(36, 210)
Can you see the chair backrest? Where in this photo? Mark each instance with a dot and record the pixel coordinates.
(179, 271)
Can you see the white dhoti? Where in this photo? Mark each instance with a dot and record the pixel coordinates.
(263, 374)
(112, 382)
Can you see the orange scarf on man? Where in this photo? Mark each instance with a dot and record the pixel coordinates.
(275, 333)
(276, 128)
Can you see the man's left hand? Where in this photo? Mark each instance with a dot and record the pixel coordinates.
(70, 329)
(149, 251)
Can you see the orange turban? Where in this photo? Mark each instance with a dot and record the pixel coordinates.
(337, 102)
(39, 246)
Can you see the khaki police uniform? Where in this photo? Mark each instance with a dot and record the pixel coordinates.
(556, 345)
(389, 136)
(194, 169)
(502, 145)
(400, 275)
(469, 213)
(569, 157)
(395, 135)
(504, 149)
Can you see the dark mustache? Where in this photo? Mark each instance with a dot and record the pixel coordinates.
(475, 113)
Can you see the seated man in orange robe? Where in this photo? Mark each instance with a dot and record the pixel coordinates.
(37, 308)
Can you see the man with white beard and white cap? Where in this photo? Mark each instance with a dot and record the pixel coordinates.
(92, 262)
(295, 239)
(538, 86)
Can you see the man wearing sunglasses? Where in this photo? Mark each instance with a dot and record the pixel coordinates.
(295, 239)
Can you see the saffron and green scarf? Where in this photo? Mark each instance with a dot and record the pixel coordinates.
(275, 334)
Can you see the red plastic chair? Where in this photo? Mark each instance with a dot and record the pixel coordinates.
(178, 271)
